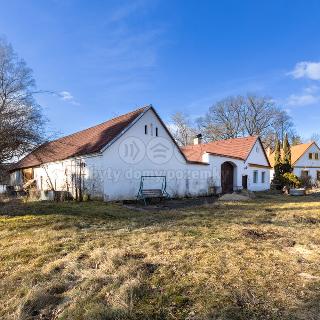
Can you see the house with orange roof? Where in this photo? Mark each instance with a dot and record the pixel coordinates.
(305, 160)
(239, 163)
(115, 159)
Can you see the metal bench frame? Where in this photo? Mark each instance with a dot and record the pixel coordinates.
(145, 194)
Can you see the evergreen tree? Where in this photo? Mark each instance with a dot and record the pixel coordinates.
(277, 160)
(286, 160)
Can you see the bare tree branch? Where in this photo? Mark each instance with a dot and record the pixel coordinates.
(21, 119)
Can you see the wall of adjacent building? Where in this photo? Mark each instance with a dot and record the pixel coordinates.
(311, 165)
(258, 162)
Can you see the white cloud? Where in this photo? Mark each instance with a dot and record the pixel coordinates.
(312, 89)
(306, 69)
(67, 96)
(302, 100)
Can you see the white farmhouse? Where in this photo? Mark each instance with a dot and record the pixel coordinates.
(305, 159)
(109, 160)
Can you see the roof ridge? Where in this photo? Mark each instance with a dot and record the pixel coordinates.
(97, 125)
(83, 142)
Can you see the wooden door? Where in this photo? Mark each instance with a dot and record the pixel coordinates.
(227, 177)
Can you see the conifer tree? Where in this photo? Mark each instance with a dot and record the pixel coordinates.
(277, 160)
(286, 160)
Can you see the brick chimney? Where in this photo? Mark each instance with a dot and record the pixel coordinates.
(197, 139)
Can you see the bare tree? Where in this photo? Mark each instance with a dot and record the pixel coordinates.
(258, 115)
(242, 116)
(182, 129)
(223, 120)
(315, 137)
(21, 120)
(295, 139)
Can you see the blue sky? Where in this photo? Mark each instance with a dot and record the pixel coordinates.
(109, 57)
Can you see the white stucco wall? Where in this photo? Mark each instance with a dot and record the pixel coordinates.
(257, 157)
(183, 179)
(60, 173)
(215, 165)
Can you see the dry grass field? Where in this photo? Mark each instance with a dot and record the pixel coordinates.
(251, 260)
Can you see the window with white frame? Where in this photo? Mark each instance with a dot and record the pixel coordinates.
(255, 176)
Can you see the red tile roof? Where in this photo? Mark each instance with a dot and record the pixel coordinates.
(84, 142)
(238, 148)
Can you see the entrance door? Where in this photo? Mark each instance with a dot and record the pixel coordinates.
(227, 177)
(245, 182)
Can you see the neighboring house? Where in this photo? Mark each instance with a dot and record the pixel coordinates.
(305, 160)
(235, 163)
(107, 161)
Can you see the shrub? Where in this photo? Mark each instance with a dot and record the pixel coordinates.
(290, 180)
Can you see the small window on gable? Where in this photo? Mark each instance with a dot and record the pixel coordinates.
(255, 176)
(145, 129)
(310, 156)
(156, 131)
(257, 149)
(316, 156)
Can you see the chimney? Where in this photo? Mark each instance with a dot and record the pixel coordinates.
(197, 139)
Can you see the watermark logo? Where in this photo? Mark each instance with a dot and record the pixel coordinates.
(159, 150)
(132, 150)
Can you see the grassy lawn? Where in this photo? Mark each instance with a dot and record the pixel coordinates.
(250, 260)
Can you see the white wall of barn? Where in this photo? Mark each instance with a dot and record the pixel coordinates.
(123, 172)
(59, 175)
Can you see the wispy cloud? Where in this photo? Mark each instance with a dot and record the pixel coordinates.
(68, 97)
(306, 69)
(302, 100)
(125, 10)
(127, 52)
(308, 96)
